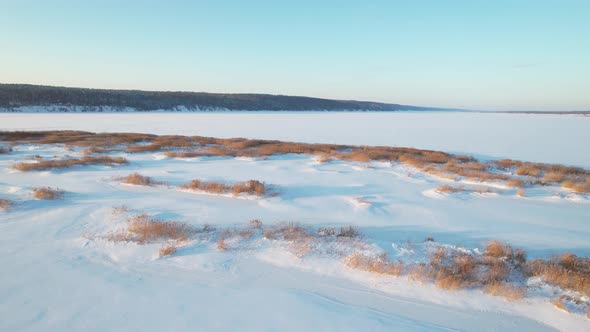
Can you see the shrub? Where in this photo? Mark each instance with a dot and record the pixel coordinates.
(138, 179)
(520, 192)
(167, 251)
(429, 239)
(5, 204)
(48, 193)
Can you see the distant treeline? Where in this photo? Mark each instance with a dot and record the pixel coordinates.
(13, 96)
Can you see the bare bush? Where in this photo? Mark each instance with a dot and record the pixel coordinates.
(349, 231)
(48, 193)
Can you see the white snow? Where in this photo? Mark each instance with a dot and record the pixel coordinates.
(60, 274)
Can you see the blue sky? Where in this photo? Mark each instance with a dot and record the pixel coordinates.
(492, 55)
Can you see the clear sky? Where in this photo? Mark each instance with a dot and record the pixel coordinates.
(492, 55)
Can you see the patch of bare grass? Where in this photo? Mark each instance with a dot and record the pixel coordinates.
(138, 179)
(65, 163)
(145, 228)
(373, 263)
(567, 271)
(450, 189)
(251, 187)
(580, 187)
(48, 193)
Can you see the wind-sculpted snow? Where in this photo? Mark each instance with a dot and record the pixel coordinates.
(332, 245)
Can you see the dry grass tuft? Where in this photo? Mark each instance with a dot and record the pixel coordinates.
(567, 271)
(553, 177)
(582, 187)
(251, 187)
(520, 192)
(147, 229)
(48, 193)
(527, 170)
(5, 204)
(515, 183)
(505, 290)
(210, 187)
(167, 251)
(65, 163)
(138, 179)
(375, 264)
(449, 189)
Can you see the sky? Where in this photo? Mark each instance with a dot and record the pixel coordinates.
(475, 54)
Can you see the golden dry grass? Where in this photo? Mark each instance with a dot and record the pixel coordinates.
(375, 264)
(449, 189)
(567, 271)
(5, 204)
(582, 187)
(167, 251)
(145, 228)
(434, 162)
(47, 193)
(505, 290)
(517, 183)
(528, 170)
(520, 192)
(138, 179)
(65, 163)
(251, 187)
